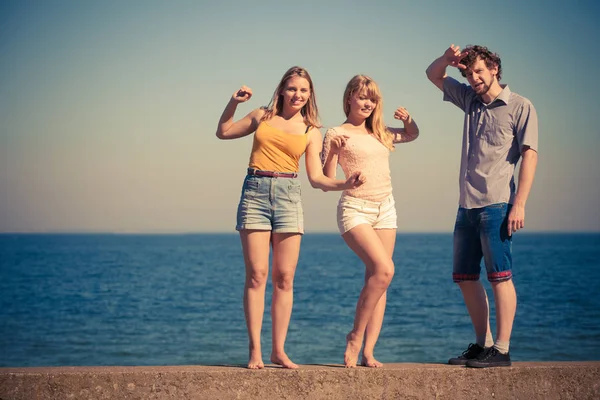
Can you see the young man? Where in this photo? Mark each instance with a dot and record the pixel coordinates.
(500, 127)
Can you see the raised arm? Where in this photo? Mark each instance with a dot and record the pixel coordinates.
(227, 129)
(314, 169)
(436, 72)
(409, 132)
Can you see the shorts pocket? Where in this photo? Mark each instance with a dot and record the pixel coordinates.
(294, 193)
(250, 189)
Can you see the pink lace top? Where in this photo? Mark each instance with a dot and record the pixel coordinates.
(366, 154)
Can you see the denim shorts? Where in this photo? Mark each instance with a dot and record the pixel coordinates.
(352, 211)
(271, 204)
(482, 233)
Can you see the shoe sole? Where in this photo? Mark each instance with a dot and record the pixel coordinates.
(457, 362)
(487, 365)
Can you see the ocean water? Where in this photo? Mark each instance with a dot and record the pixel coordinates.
(68, 300)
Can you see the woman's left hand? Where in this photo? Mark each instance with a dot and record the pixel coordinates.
(402, 114)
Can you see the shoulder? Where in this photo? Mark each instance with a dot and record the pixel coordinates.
(522, 105)
(333, 131)
(258, 114)
(314, 133)
(451, 85)
(520, 100)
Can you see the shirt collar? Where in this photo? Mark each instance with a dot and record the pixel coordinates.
(503, 96)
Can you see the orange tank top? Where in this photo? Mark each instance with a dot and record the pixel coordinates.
(275, 150)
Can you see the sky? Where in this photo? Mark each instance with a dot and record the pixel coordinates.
(108, 109)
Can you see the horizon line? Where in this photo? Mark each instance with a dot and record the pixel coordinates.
(182, 233)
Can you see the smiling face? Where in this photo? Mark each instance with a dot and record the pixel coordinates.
(362, 99)
(361, 105)
(295, 93)
(480, 77)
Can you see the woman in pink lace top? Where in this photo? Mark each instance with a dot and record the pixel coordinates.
(367, 214)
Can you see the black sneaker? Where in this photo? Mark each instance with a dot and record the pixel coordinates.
(491, 357)
(469, 354)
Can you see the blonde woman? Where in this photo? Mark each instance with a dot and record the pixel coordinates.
(270, 208)
(367, 214)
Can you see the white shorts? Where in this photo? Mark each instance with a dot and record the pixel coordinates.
(352, 211)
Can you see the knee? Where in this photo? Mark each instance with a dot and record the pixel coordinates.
(384, 274)
(256, 279)
(283, 282)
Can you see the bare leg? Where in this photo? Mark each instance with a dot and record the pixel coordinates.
(363, 240)
(388, 239)
(286, 248)
(477, 304)
(505, 298)
(255, 245)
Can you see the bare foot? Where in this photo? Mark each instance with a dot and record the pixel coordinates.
(353, 344)
(255, 361)
(370, 362)
(283, 360)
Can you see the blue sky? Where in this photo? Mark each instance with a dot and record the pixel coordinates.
(108, 109)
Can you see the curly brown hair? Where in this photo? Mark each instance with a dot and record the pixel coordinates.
(491, 59)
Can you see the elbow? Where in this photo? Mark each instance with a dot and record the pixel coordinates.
(428, 73)
(411, 135)
(220, 135)
(317, 184)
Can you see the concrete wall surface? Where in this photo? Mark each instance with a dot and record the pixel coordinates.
(524, 380)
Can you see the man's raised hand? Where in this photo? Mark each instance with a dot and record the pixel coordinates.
(453, 55)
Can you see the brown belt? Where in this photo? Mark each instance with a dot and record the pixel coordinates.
(272, 174)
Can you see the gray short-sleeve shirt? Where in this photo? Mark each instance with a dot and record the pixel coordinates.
(493, 138)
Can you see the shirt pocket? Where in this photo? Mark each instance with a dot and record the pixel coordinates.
(496, 132)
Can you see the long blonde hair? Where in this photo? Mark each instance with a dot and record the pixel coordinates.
(310, 112)
(374, 122)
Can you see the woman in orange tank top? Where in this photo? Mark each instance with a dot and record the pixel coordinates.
(270, 209)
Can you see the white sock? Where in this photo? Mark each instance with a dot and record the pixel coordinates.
(485, 341)
(501, 346)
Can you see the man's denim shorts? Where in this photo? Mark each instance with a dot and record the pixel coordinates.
(482, 233)
(271, 204)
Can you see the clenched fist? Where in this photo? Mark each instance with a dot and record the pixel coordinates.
(242, 95)
(355, 180)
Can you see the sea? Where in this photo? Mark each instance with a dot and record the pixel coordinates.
(129, 299)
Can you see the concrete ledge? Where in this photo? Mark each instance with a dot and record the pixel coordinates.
(556, 380)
